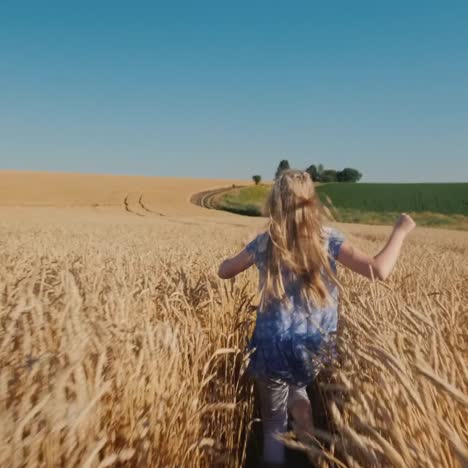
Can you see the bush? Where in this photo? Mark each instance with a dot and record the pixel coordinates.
(348, 174)
(313, 172)
(328, 175)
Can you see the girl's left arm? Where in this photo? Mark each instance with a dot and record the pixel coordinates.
(235, 265)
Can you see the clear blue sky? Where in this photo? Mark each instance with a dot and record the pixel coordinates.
(227, 89)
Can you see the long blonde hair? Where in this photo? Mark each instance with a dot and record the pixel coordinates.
(296, 240)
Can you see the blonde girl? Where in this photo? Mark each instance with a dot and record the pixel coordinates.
(297, 317)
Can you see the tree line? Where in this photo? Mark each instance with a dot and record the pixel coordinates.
(319, 173)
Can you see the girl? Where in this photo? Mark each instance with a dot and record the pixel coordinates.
(297, 315)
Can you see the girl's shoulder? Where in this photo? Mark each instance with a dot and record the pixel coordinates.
(329, 232)
(334, 239)
(258, 246)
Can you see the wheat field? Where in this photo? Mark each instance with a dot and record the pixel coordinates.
(121, 347)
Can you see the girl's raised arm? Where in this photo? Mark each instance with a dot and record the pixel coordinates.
(382, 264)
(235, 265)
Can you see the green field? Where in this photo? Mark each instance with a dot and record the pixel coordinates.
(429, 204)
(246, 200)
(436, 198)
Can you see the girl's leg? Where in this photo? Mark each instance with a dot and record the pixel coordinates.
(300, 410)
(274, 410)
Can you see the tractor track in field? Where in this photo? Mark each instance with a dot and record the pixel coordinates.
(206, 199)
(128, 208)
(139, 205)
(134, 204)
(145, 208)
(142, 205)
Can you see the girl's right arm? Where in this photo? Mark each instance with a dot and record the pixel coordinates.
(382, 264)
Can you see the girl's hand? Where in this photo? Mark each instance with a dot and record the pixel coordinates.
(405, 223)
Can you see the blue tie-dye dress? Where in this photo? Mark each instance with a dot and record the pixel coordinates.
(293, 339)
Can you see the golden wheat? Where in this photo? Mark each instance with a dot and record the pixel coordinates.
(120, 346)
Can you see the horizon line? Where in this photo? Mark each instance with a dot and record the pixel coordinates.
(110, 174)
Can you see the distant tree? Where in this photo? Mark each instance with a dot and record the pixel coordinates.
(312, 170)
(328, 175)
(320, 170)
(283, 166)
(257, 179)
(348, 174)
